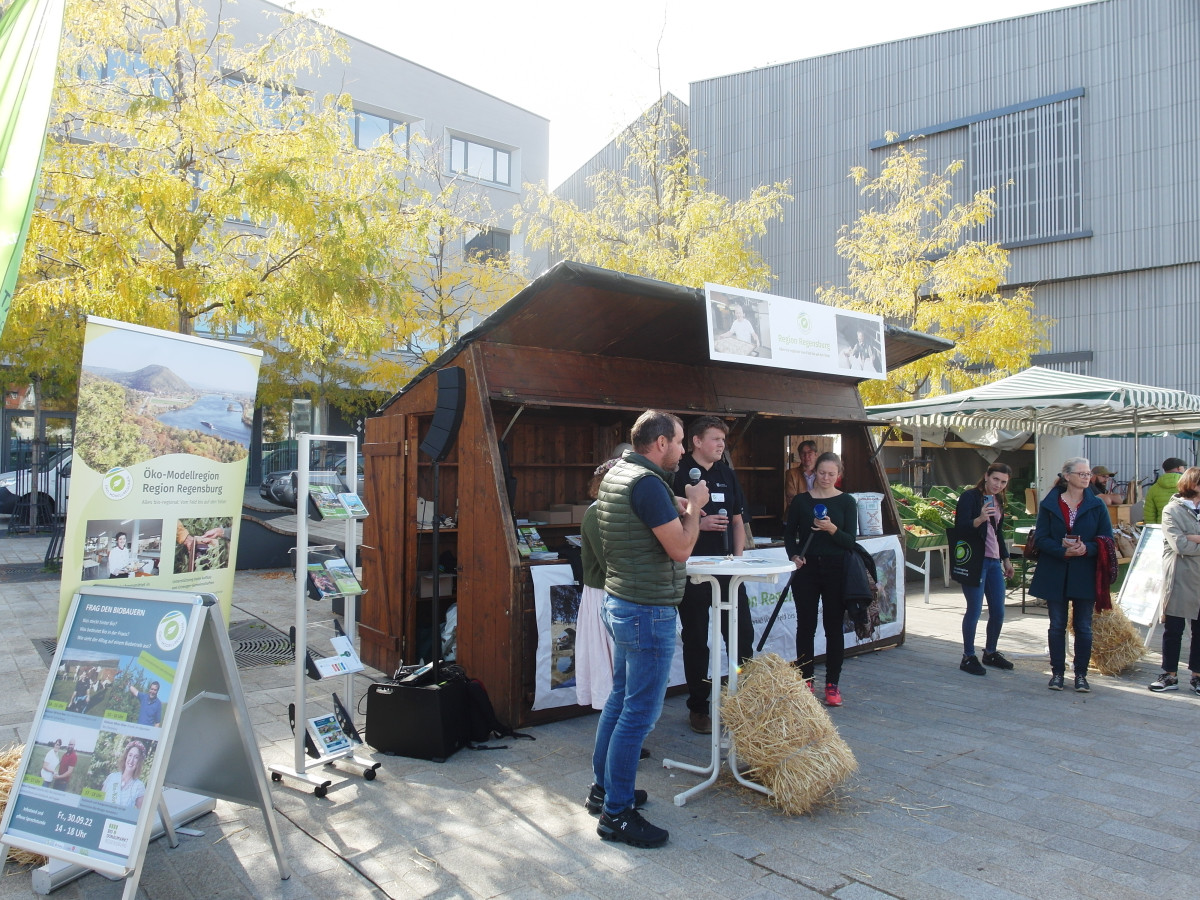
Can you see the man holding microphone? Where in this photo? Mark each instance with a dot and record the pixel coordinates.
(721, 534)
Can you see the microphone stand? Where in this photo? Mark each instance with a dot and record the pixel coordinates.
(779, 603)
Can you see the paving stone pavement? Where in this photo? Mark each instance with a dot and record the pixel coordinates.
(990, 787)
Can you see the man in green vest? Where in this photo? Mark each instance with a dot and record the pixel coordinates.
(647, 535)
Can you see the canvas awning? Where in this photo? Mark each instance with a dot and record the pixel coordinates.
(1043, 401)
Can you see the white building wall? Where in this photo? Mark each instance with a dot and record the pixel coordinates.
(436, 106)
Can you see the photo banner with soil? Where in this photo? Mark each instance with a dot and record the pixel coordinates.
(162, 438)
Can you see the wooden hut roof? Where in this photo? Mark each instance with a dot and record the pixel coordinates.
(584, 309)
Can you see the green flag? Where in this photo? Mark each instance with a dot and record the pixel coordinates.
(29, 36)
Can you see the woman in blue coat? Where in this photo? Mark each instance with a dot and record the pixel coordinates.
(1070, 519)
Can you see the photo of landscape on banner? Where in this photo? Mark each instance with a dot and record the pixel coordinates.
(162, 437)
(765, 330)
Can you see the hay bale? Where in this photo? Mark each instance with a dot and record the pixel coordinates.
(1116, 644)
(780, 730)
(773, 712)
(10, 761)
(806, 778)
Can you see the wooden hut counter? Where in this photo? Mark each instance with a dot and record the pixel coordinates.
(554, 380)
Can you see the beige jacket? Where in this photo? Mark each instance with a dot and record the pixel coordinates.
(1181, 561)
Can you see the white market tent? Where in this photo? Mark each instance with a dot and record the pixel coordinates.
(1043, 401)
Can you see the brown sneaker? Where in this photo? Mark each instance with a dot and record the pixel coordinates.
(701, 722)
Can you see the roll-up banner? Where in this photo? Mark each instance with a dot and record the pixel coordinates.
(158, 476)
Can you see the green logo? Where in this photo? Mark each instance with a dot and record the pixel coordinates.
(171, 630)
(803, 322)
(117, 484)
(962, 552)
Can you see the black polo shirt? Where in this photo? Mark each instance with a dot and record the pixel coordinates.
(724, 494)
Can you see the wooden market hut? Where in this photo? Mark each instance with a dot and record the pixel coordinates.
(554, 380)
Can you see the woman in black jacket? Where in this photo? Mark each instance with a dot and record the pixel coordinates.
(982, 509)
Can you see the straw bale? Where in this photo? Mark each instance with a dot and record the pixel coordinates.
(1116, 644)
(10, 760)
(773, 712)
(806, 778)
(786, 737)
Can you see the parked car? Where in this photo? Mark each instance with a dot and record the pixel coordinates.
(54, 484)
(280, 487)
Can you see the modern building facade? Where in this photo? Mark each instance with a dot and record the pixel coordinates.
(1087, 119)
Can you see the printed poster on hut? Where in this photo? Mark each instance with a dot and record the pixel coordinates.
(782, 333)
(159, 469)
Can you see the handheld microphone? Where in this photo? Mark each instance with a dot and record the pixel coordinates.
(694, 475)
(820, 511)
(728, 549)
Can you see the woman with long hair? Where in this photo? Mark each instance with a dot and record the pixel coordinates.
(123, 787)
(822, 525)
(1181, 580)
(982, 509)
(1070, 520)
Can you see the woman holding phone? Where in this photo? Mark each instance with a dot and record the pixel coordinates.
(1070, 519)
(822, 525)
(982, 509)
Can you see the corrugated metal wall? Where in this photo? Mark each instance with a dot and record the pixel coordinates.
(1122, 293)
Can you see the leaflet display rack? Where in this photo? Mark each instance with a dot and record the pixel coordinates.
(186, 729)
(303, 765)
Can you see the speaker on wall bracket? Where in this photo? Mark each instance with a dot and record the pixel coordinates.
(447, 417)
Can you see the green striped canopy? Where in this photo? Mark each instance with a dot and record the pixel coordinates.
(1047, 402)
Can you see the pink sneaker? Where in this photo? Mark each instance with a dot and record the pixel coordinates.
(812, 690)
(833, 697)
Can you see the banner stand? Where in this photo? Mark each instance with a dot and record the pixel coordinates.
(198, 739)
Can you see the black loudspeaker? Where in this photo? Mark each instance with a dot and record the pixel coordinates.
(426, 722)
(451, 396)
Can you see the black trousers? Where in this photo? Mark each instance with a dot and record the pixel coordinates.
(820, 582)
(694, 625)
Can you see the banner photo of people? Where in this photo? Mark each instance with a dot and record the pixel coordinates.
(158, 474)
(778, 332)
(86, 786)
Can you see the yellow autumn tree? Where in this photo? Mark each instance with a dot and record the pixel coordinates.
(187, 180)
(465, 271)
(655, 217)
(910, 259)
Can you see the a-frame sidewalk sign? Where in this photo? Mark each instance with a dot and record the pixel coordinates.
(143, 695)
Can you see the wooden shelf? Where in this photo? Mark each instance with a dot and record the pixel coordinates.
(554, 465)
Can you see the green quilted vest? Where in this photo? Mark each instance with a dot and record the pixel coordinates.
(639, 569)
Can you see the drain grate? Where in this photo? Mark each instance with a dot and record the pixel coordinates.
(254, 644)
(21, 573)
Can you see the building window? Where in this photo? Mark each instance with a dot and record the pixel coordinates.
(479, 161)
(1032, 158)
(369, 128)
(488, 244)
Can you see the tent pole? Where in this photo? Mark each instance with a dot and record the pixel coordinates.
(1137, 445)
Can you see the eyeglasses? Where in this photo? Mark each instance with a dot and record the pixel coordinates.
(1088, 474)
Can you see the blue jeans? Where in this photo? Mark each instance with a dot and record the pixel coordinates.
(643, 645)
(991, 584)
(1057, 636)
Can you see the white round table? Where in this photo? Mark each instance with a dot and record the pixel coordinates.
(739, 569)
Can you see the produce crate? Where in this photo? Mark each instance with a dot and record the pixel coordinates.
(916, 542)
